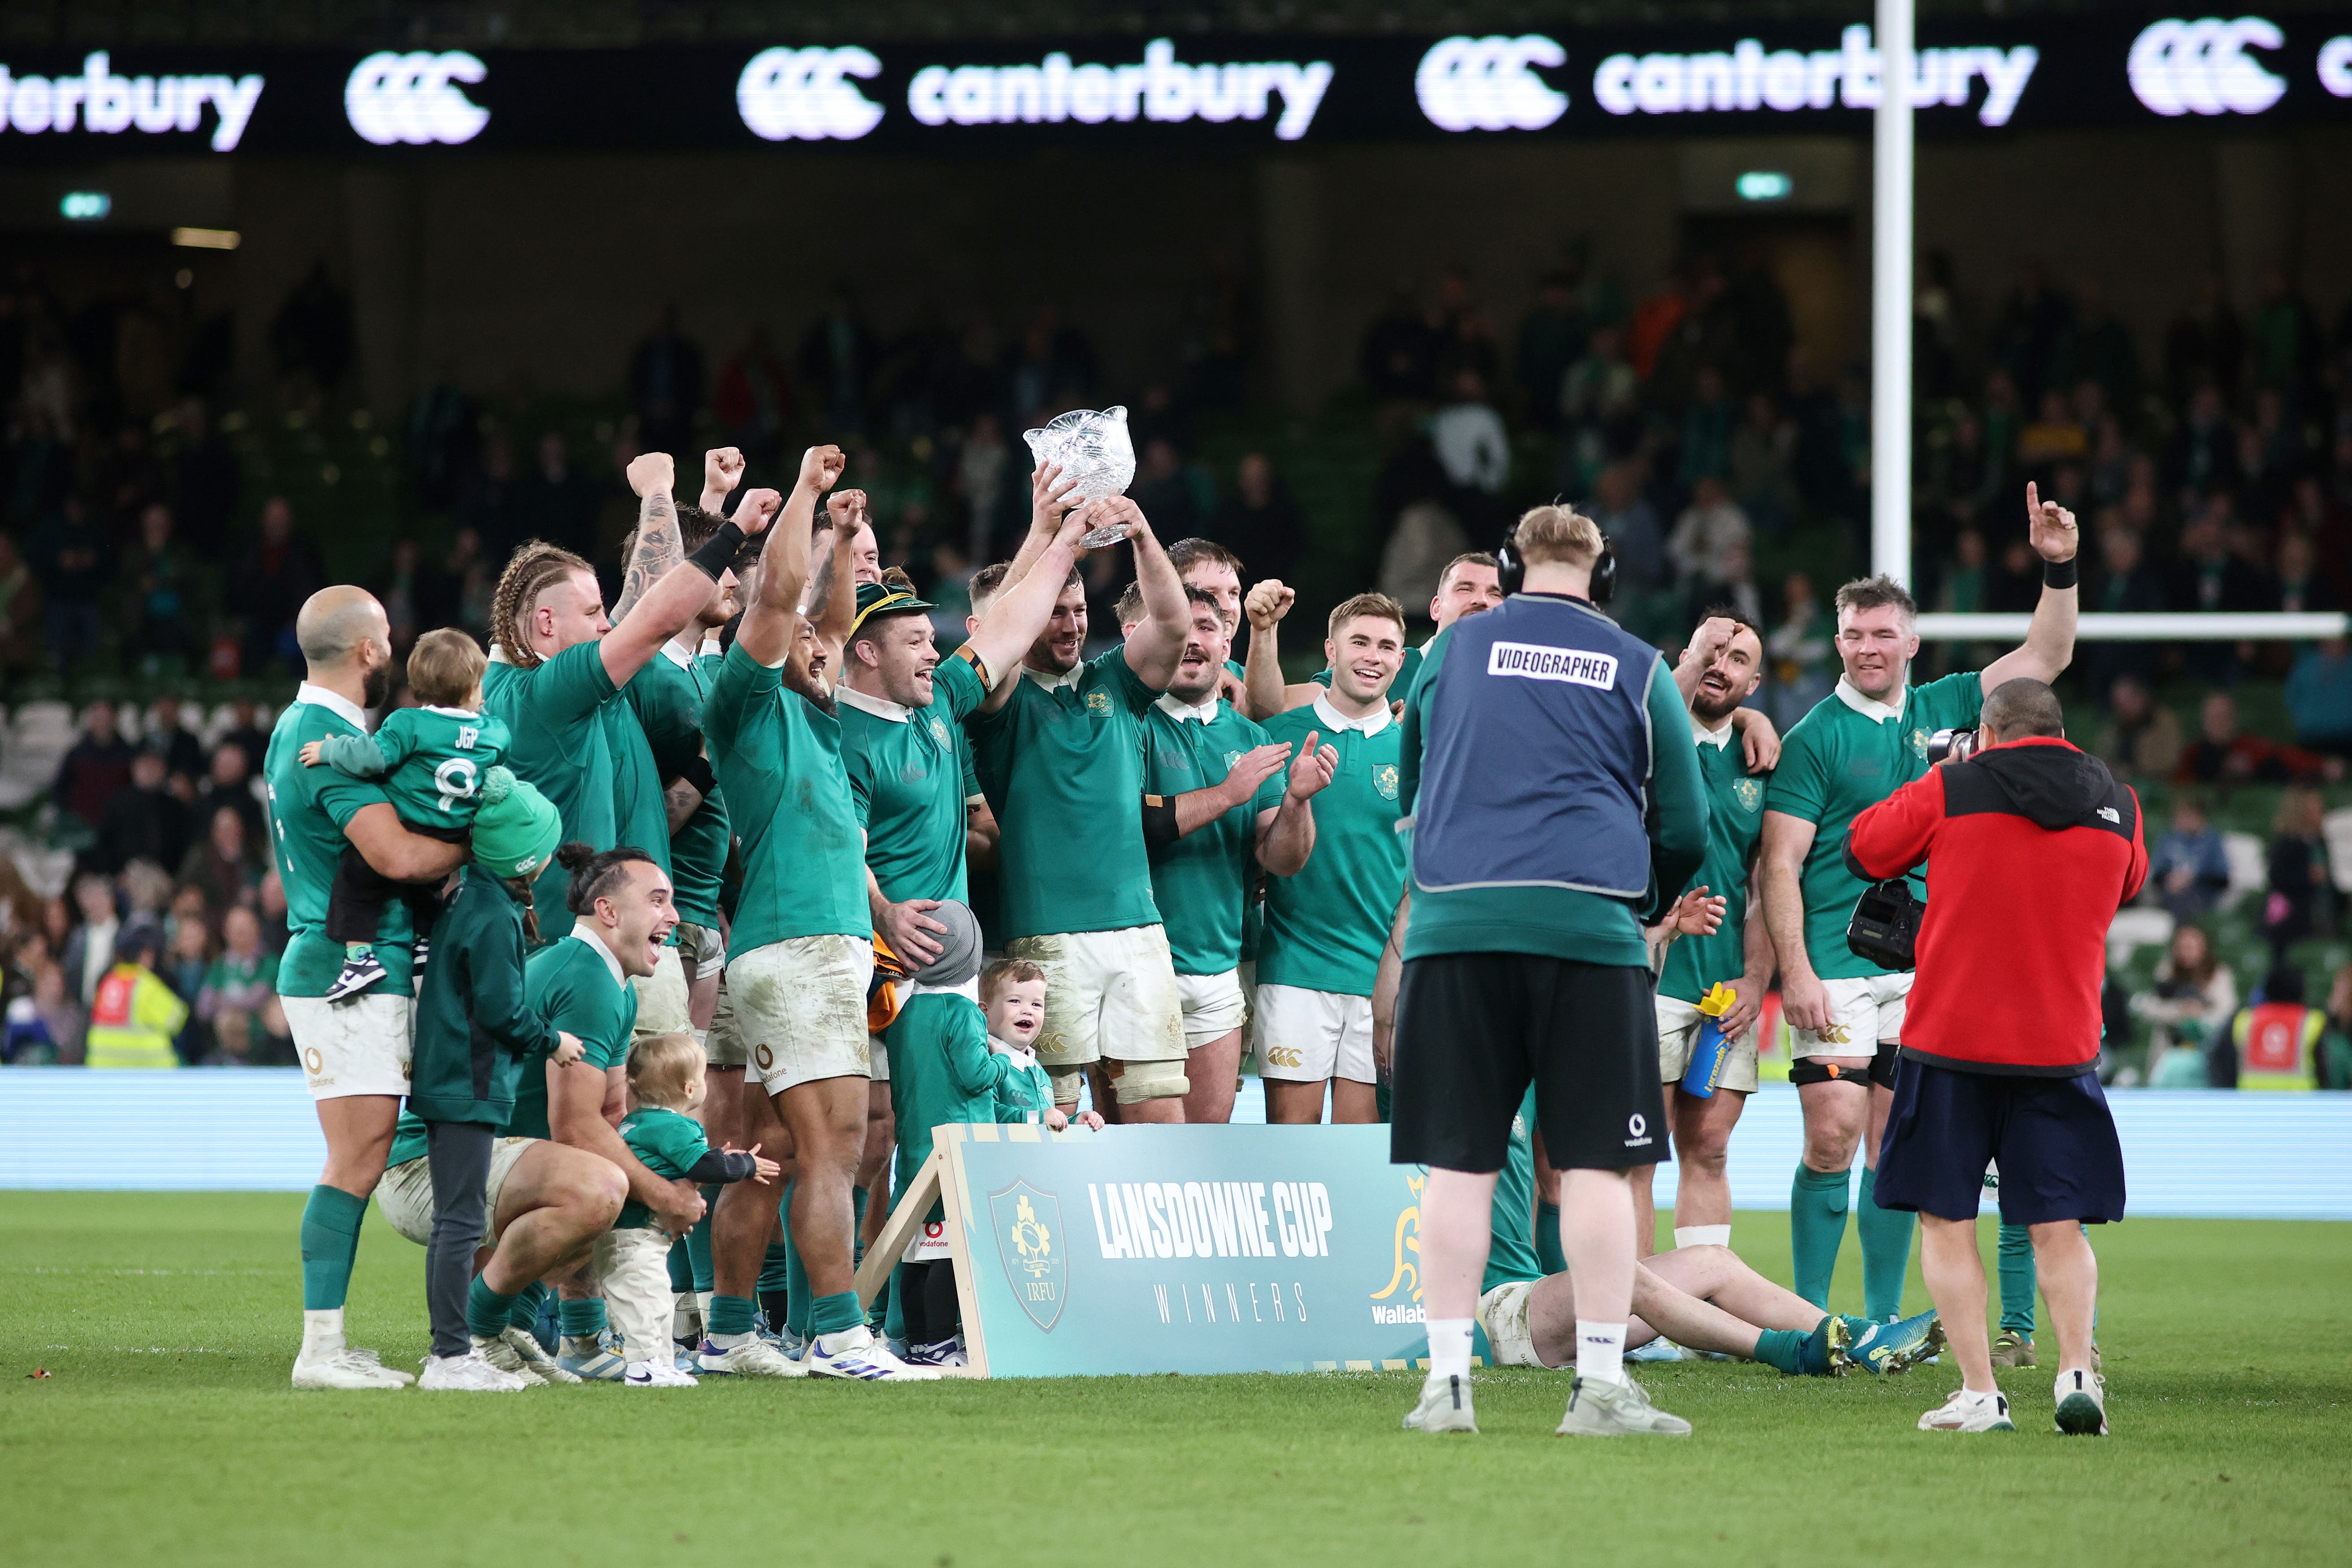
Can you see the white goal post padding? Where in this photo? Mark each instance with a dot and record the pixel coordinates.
(2269, 626)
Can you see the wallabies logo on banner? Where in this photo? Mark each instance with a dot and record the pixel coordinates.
(1028, 1225)
(1404, 1273)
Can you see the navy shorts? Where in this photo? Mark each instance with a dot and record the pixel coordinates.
(2054, 1138)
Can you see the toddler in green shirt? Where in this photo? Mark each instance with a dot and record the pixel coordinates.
(1012, 999)
(667, 1084)
(431, 759)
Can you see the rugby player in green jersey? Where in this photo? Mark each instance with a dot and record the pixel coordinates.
(558, 665)
(355, 1053)
(1860, 744)
(1218, 797)
(1468, 584)
(1059, 752)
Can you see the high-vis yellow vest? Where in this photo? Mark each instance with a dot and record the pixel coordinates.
(132, 1019)
(2278, 1046)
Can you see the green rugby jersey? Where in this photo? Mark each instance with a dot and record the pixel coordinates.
(1547, 921)
(1028, 1092)
(1326, 926)
(1847, 755)
(308, 808)
(640, 812)
(430, 760)
(578, 987)
(778, 758)
(905, 768)
(561, 742)
(666, 1143)
(941, 1070)
(1062, 765)
(1735, 821)
(1200, 880)
(667, 696)
(1400, 688)
(1511, 1250)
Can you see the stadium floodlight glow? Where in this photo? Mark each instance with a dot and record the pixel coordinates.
(207, 239)
(808, 95)
(84, 207)
(2336, 66)
(1162, 89)
(2202, 68)
(1489, 84)
(1764, 185)
(108, 104)
(1750, 77)
(414, 98)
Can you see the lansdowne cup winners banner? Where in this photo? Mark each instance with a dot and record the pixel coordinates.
(1150, 1249)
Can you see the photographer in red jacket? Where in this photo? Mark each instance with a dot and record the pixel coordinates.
(2030, 847)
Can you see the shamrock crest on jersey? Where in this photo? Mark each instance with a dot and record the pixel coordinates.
(1098, 702)
(1748, 792)
(1384, 780)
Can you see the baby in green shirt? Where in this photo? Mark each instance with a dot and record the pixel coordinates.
(431, 759)
(667, 1084)
(1013, 997)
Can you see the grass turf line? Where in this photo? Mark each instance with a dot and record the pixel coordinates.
(168, 1322)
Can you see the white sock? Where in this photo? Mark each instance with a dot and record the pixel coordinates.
(1449, 1346)
(702, 1299)
(1600, 1351)
(728, 1342)
(323, 1331)
(1702, 1235)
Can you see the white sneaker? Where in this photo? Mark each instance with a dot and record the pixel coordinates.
(1445, 1407)
(655, 1374)
(2082, 1404)
(517, 1351)
(467, 1373)
(362, 1354)
(946, 1353)
(1502, 1313)
(1968, 1412)
(856, 1355)
(755, 1357)
(346, 1368)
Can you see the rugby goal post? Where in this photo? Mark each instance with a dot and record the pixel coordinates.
(2263, 625)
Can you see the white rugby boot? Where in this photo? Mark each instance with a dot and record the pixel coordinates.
(1969, 1412)
(467, 1373)
(1445, 1407)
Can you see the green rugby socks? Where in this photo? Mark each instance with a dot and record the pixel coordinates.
(835, 1314)
(1549, 1255)
(528, 1305)
(1783, 1348)
(487, 1313)
(2018, 1280)
(583, 1320)
(331, 1240)
(730, 1321)
(1816, 1229)
(1886, 1251)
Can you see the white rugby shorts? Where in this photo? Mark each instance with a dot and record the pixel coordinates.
(1864, 1011)
(800, 1009)
(1678, 1032)
(661, 998)
(1306, 1036)
(405, 1194)
(360, 1046)
(1107, 993)
(1213, 1005)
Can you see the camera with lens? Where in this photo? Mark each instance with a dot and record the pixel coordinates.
(1955, 744)
(1885, 926)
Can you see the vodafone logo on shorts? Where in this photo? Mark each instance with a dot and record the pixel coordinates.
(1637, 1131)
(2203, 67)
(808, 95)
(415, 99)
(1489, 84)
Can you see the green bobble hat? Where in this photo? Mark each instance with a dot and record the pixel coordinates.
(514, 828)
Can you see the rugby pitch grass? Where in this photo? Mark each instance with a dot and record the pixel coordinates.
(165, 1432)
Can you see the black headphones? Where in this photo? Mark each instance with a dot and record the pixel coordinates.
(1512, 572)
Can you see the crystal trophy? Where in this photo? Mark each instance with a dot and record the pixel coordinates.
(1093, 449)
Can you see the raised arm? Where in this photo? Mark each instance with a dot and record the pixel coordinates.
(833, 597)
(1017, 617)
(684, 587)
(659, 546)
(1157, 643)
(1267, 604)
(722, 470)
(2049, 645)
(1049, 502)
(771, 620)
(395, 852)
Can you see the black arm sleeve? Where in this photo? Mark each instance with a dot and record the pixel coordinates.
(1160, 820)
(722, 1166)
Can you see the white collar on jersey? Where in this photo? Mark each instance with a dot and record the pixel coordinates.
(499, 655)
(710, 646)
(1021, 1054)
(1177, 708)
(1870, 708)
(676, 655)
(1070, 677)
(1376, 720)
(880, 707)
(341, 707)
(1704, 736)
(587, 933)
(449, 712)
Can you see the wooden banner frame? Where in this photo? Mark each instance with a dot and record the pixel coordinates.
(940, 1180)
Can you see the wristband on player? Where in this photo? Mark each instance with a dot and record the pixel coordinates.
(697, 772)
(2061, 574)
(717, 551)
(1160, 820)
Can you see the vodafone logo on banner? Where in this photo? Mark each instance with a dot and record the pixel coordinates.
(2203, 67)
(414, 99)
(808, 95)
(1489, 84)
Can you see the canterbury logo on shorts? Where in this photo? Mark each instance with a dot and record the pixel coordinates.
(1535, 661)
(1284, 1057)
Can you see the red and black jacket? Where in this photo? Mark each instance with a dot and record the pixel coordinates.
(2030, 847)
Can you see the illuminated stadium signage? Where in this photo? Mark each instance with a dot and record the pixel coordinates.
(99, 101)
(416, 98)
(808, 95)
(1750, 76)
(2207, 66)
(1160, 89)
(1490, 84)
(2336, 66)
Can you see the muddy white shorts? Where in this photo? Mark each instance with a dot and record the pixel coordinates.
(799, 1008)
(359, 1046)
(405, 1194)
